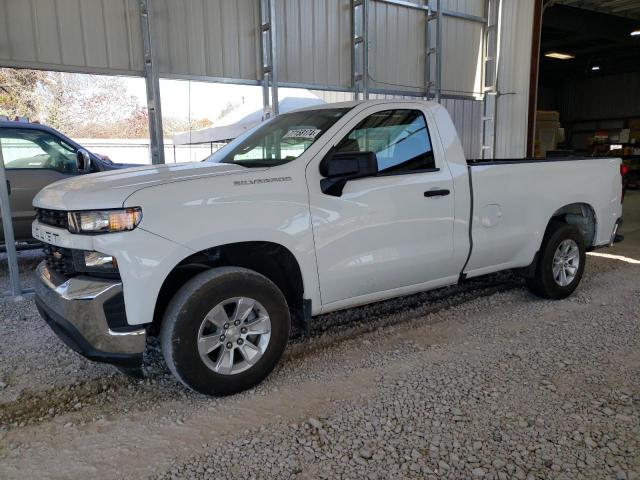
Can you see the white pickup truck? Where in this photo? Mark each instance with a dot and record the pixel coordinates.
(316, 210)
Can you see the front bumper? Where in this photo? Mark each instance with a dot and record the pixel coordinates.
(74, 309)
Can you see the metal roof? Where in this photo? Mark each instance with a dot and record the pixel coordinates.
(623, 8)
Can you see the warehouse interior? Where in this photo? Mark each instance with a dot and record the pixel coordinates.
(588, 100)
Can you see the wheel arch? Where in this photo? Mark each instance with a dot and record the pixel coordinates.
(273, 260)
(580, 214)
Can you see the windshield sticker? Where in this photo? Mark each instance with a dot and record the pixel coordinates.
(310, 133)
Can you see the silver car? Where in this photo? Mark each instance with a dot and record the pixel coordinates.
(35, 156)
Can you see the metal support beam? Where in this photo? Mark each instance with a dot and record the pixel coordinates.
(152, 81)
(269, 58)
(426, 8)
(365, 49)
(438, 86)
(7, 226)
(358, 48)
(433, 87)
(491, 46)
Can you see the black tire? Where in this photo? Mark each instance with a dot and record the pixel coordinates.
(543, 283)
(186, 312)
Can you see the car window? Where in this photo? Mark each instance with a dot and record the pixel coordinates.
(28, 148)
(399, 138)
(280, 140)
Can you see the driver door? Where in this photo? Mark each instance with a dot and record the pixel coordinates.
(388, 234)
(33, 159)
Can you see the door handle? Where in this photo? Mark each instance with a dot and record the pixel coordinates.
(8, 187)
(437, 193)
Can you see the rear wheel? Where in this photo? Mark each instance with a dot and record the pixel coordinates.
(560, 262)
(225, 330)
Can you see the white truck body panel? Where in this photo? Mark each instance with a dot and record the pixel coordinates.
(510, 217)
(109, 189)
(382, 238)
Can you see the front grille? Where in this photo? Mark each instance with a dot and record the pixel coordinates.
(59, 260)
(55, 218)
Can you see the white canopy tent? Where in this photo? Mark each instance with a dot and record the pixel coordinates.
(244, 118)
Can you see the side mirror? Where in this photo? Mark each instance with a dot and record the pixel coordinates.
(83, 161)
(339, 168)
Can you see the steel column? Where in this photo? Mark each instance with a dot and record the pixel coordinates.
(269, 58)
(152, 81)
(365, 49)
(7, 226)
(438, 51)
(433, 88)
(274, 58)
(491, 41)
(358, 48)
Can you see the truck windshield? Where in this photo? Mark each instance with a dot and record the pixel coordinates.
(279, 140)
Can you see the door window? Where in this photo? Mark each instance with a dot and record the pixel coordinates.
(26, 148)
(399, 138)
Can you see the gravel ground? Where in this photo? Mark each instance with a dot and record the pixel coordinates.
(478, 381)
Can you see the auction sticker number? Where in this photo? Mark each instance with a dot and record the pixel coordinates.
(310, 133)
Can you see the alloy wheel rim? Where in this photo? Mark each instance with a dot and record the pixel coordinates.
(234, 335)
(566, 262)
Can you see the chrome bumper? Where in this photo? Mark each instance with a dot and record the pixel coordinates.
(74, 309)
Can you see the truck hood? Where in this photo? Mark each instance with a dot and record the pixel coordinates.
(110, 189)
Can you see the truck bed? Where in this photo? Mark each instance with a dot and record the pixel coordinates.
(513, 200)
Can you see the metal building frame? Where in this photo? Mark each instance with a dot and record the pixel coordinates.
(491, 40)
(269, 58)
(152, 82)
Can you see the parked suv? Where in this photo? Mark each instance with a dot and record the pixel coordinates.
(35, 156)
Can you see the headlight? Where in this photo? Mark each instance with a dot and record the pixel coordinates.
(104, 221)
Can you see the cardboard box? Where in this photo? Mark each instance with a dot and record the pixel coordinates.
(624, 135)
(547, 116)
(547, 124)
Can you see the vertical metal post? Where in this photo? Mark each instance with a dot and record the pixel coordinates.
(269, 58)
(438, 51)
(433, 87)
(274, 58)
(152, 80)
(7, 225)
(357, 48)
(365, 49)
(427, 54)
(491, 39)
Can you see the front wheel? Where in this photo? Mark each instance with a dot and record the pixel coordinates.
(560, 263)
(225, 330)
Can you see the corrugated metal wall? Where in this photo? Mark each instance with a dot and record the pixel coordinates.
(221, 39)
(466, 115)
(100, 36)
(513, 78)
(397, 47)
(207, 38)
(314, 42)
(462, 49)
